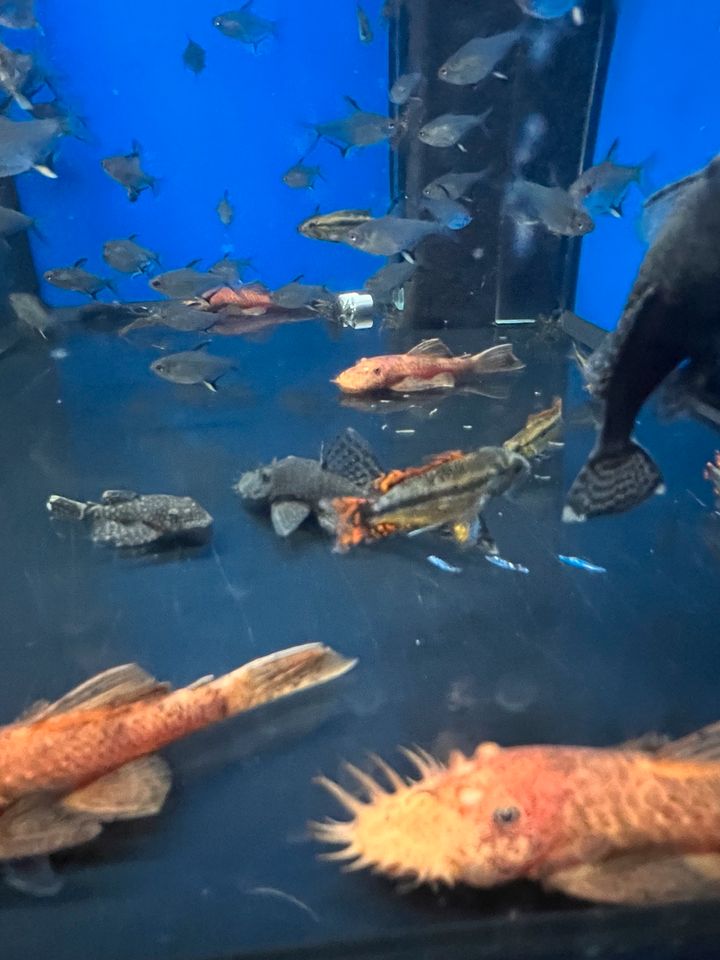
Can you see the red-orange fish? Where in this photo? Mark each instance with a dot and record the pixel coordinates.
(249, 297)
(69, 767)
(428, 366)
(634, 824)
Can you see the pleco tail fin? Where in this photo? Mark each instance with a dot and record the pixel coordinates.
(612, 483)
(496, 360)
(279, 674)
(66, 509)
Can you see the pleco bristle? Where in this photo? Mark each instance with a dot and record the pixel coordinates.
(382, 833)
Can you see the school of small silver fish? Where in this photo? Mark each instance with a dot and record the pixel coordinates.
(633, 824)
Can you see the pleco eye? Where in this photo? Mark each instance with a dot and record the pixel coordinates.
(505, 815)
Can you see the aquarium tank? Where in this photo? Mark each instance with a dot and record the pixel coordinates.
(359, 406)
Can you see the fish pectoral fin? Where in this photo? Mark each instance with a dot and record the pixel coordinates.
(642, 878)
(703, 744)
(136, 534)
(37, 825)
(33, 876)
(111, 688)
(441, 381)
(466, 531)
(433, 347)
(137, 789)
(350, 456)
(287, 515)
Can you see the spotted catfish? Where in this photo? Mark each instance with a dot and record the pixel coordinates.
(428, 366)
(449, 491)
(295, 486)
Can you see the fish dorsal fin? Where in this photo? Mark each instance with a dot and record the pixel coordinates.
(353, 103)
(137, 789)
(610, 156)
(394, 477)
(135, 149)
(133, 236)
(430, 348)
(118, 496)
(247, 5)
(703, 744)
(111, 688)
(349, 455)
(193, 263)
(80, 262)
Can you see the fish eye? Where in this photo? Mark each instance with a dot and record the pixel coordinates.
(352, 237)
(506, 815)
(265, 475)
(377, 371)
(443, 72)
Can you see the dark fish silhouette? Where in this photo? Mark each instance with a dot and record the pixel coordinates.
(671, 315)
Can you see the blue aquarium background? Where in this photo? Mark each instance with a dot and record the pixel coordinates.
(237, 126)
(663, 72)
(535, 652)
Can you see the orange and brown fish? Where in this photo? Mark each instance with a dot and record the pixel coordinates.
(69, 767)
(450, 490)
(428, 366)
(639, 823)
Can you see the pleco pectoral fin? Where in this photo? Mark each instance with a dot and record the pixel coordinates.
(136, 534)
(642, 879)
(433, 347)
(33, 876)
(287, 515)
(612, 482)
(137, 789)
(126, 683)
(350, 456)
(38, 825)
(442, 381)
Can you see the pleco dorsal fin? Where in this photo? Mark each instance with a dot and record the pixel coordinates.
(36, 825)
(703, 744)
(137, 789)
(350, 456)
(118, 496)
(111, 688)
(287, 515)
(431, 348)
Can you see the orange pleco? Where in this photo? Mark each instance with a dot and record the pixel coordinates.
(428, 366)
(66, 768)
(634, 824)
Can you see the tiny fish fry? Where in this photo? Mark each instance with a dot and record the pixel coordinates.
(635, 824)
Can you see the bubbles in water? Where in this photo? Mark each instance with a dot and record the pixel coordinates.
(515, 693)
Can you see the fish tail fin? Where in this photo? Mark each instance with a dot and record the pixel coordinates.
(347, 516)
(65, 509)
(496, 360)
(279, 674)
(22, 101)
(613, 482)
